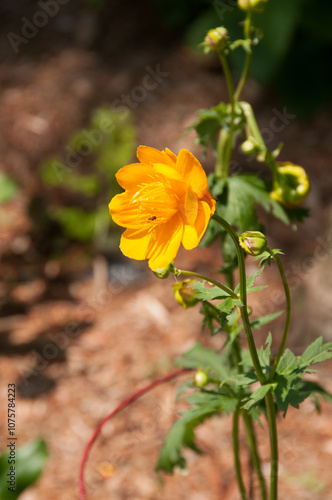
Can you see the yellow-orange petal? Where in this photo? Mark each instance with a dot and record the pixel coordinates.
(172, 156)
(193, 234)
(165, 242)
(133, 175)
(135, 243)
(148, 155)
(191, 206)
(192, 171)
(117, 205)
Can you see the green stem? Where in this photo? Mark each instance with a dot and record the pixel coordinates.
(271, 418)
(252, 124)
(270, 409)
(210, 280)
(254, 452)
(236, 449)
(243, 297)
(288, 314)
(225, 142)
(247, 64)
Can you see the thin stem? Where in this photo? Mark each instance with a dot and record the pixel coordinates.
(247, 64)
(225, 143)
(252, 124)
(250, 431)
(271, 418)
(228, 76)
(236, 449)
(243, 297)
(288, 314)
(252, 443)
(222, 287)
(270, 409)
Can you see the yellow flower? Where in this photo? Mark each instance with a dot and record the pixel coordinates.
(166, 202)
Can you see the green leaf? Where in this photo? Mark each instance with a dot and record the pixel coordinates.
(258, 395)
(227, 305)
(210, 316)
(263, 320)
(182, 432)
(29, 462)
(288, 363)
(208, 293)
(266, 256)
(209, 123)
(201, 357)
(265, 354)
(250, 282)
(244, 191)
(8, 188)
(316, 353)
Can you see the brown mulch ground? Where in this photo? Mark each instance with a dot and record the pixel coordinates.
(75, 344)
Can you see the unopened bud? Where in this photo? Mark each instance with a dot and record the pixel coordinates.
(249, 147)
(185, 294)
(164, 272)
(290, 184)
(255, 5)
(201, 378)
(216, 39)
(253, 242)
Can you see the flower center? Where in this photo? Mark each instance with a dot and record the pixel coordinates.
(152, 204)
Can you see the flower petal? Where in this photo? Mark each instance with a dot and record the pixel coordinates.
(135, 243)
(133, 175)
(193, 234)
(192, 171)
(191, 206)
(165, 242)
(148, 155)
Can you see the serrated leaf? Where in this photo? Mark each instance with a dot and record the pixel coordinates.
(316, 353)
(227, 305)
(208, 293)
(288, 363)
(286, 393)
(244, 192)
(258, 395)
(250, 282)
(265, 354)
(264, 320)
(210, 315)
(201, 357)
(182, 432)
(29, 462)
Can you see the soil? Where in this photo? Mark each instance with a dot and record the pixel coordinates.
(77, 336)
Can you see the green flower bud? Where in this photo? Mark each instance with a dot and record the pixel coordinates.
(249, 147)
(253, 242)
(255, 5)
(290, 184)
(164, 272)
(185, 294)
(216, 39)
(201, 378)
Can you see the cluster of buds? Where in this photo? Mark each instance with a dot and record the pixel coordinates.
(254, 5)
(290, 184)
